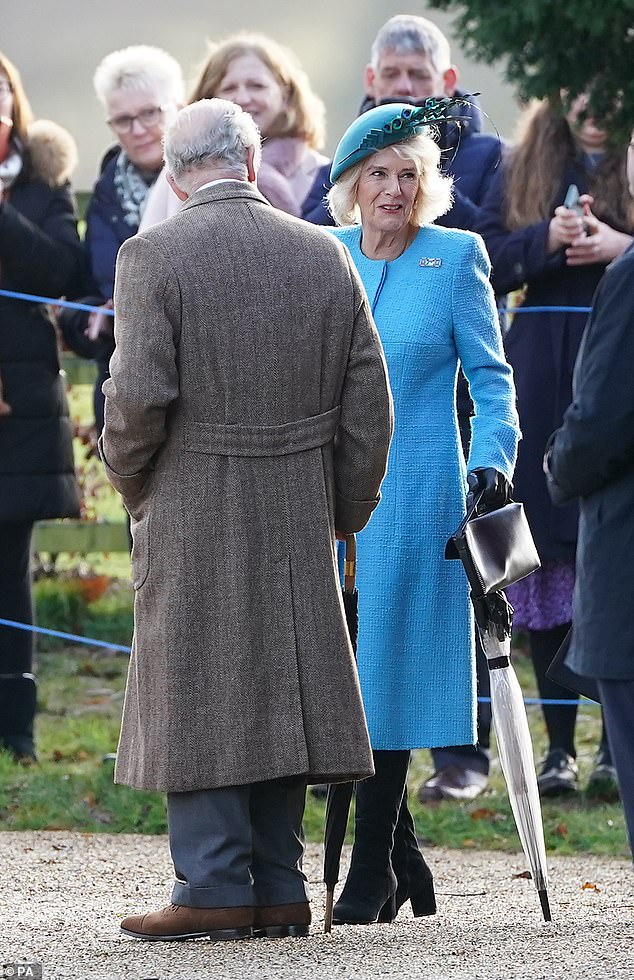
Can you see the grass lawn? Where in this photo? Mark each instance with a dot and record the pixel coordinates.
(71, 787)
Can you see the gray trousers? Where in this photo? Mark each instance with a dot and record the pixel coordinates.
(617, 699)
(238, 845)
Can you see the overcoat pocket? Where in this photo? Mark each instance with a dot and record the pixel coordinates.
(140, 530)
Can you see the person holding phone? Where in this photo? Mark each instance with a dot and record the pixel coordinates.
(556, 255)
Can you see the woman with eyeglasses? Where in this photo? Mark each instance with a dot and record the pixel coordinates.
(141, 88)
(40, 253)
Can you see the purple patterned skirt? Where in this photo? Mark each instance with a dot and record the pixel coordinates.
(544, 599)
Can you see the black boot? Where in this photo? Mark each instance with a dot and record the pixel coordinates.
(415, 880)
(17, 711)
(369, 894)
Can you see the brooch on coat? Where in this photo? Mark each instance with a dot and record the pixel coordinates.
(430, 263)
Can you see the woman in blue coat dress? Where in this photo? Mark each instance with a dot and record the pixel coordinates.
(434, 308)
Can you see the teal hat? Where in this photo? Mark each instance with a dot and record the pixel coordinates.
(383, 126)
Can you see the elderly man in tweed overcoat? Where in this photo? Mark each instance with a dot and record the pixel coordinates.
(248, 419)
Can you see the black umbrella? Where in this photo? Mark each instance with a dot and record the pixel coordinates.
(340, 794)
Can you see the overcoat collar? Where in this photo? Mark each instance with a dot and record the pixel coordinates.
(234, 190)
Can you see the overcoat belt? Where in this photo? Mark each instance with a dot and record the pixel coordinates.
(262, 440)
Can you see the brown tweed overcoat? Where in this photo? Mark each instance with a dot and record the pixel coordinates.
(248, 414)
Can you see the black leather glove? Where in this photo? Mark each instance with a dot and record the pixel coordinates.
(489, 487)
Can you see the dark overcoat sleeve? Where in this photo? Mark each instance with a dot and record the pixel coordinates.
(43, 256)
(144, 375)
(473, 169)
(518, 255)
(595, 444)
(366, 422)
(103, 237)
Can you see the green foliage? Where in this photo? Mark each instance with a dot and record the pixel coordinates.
(61, 604)
(548, 47)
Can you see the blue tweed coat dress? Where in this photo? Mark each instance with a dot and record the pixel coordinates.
(433, 308)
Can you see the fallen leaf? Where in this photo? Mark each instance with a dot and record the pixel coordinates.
(561, 830)
(467, 842)
(523, 874)
(483, 813)
(589, 886)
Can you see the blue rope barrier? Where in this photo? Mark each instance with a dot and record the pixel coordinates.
(68, 304)
(89, 641)
(544, 309)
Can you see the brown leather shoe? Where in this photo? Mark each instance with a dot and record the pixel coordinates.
(183, 922)
(277, 921)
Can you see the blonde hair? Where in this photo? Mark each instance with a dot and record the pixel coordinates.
(22, 114)
(304, 114)
(433, 198)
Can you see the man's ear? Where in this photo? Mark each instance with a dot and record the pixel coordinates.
(369, 78)
(251, 172)
(450, 78)
(180, 194)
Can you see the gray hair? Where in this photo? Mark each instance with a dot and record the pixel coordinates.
(433, 198)
(212, 134)
(140, 68)
(408, 34)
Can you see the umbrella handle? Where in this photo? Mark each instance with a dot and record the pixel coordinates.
(330, 899)
(350, 563)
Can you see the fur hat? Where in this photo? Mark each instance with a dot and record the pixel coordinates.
(52, 152)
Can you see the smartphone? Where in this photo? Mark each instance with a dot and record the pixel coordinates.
(571, 199)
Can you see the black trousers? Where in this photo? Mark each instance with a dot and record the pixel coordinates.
(560, 719)
(16, 603)
(617, 698)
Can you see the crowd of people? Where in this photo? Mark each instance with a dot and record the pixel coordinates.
(249, 385)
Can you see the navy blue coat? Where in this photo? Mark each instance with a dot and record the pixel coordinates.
(592, 457)
(106, 228)
(542, 349)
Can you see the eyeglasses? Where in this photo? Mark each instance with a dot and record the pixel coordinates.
(147, 118)
(5, 87)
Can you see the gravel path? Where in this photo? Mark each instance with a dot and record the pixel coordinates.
(63, 895)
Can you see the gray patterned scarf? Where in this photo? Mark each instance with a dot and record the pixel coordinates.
(132, 189)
